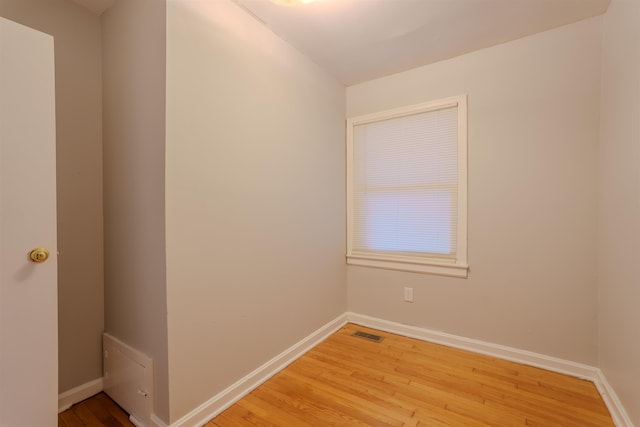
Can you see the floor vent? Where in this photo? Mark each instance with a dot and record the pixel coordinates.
(366, 336)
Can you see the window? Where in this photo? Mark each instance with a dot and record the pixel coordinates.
(407, 188)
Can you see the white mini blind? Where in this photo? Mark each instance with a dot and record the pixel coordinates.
(405, 185)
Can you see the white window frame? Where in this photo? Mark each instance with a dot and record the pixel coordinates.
(418, 264)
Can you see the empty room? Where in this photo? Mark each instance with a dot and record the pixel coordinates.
(316, 213)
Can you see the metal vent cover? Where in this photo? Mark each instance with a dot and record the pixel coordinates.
(367, 336)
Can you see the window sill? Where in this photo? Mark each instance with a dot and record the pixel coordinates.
(414, 265)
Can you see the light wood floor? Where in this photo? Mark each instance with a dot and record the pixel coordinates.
(348, 381)
(98, 411)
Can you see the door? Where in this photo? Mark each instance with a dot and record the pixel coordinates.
(28, 289)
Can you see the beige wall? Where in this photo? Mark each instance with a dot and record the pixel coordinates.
(533, 107)
(619, 204)
(77, 42)
(134, 94)
(254, 198)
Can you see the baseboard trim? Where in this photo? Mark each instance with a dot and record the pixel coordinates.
(79, 393)
(495, 350)
(157, 421)
(618, 413)
(136, 422)
(227, 397)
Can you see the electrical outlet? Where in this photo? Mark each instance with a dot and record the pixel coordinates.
(408, 294)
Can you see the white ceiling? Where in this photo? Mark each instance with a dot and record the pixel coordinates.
(358, 40)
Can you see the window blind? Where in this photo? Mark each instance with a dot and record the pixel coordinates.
(405, 185)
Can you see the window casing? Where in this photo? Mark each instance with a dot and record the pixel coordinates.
(407, 188)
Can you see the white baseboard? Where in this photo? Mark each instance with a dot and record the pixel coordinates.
(157, 421)
(227, 397)
(495, 350)
(618, 413)
(136, 422)
(78, 394)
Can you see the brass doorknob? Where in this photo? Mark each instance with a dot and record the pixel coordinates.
(39, 255)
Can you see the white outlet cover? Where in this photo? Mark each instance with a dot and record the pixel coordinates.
(408, 294)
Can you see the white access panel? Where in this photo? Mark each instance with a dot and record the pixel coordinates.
(128, 379)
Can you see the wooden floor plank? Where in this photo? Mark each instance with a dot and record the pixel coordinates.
(69, 419)
(98, 411)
